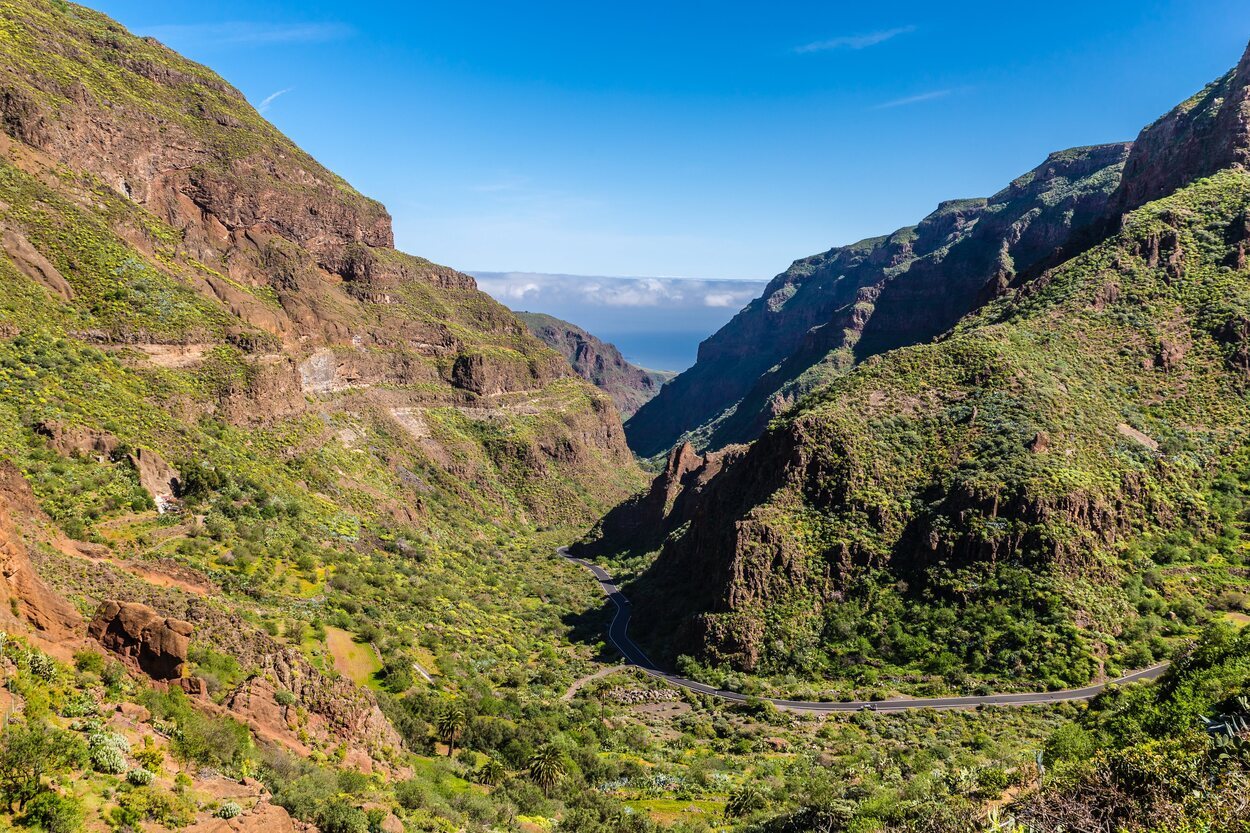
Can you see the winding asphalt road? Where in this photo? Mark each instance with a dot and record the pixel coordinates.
(618, 635)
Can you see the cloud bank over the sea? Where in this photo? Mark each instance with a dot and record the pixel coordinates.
(514, 288)
(656, 322)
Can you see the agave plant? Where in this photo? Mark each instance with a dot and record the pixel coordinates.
(996, 822)
(744, 801)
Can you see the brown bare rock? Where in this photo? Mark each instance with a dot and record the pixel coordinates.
(641, 523)
(336, 705)
(264, 817)
(1040, 443)
(144, 639)
(34, 265)
(155, 475)
(1206, 134)
(256, 702)
(77, 439)
(36, 604)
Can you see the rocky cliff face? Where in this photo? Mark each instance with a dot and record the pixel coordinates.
(1031, 460)
(640, 524)
(832, 310)
(597, 362)
(1208, 133)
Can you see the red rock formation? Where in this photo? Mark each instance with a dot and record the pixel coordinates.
(264, 817)
(144, 639)
(25, 600)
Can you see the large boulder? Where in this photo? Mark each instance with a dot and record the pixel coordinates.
(145, 640)
(157, 476)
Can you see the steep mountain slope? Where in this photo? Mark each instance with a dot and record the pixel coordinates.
(992, 500)
(831, 310)
(597, 362)
(226, 396)
(161, 213)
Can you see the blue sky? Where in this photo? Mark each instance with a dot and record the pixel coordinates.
(709, 139)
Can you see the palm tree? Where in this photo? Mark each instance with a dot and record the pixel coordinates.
(491, 773)
(450, 725)
(546, 767)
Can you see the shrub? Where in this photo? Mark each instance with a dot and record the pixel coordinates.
(411, 795)
(108, 759)
(79, 704)
(199, 738)
(108, 739)
(150, 804)
(150, 756)
(30, 750)
(228, 810)
(89, 662)
(1069, 742)
(42, 666)
(744, 801)
(140, 777)
(337, 816)
(53, 813)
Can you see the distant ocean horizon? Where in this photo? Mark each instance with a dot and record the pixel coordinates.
(656, 323)
(665, 350)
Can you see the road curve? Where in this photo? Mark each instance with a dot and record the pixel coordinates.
(618, 635)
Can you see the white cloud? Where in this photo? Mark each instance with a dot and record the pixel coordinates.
(246, 33)
(719, 299)
(854, 41)
(518, 291)
(263, 107)
(620, 293)
(913, 99)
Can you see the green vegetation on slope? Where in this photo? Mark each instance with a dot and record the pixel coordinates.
(1055, 489)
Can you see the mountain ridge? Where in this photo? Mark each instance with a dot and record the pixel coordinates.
(831, 310)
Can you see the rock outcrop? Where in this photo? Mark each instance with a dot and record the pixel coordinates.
(1208, 133)
(642, 523)
(25, 600)
(158, 477)
(263, 817)
(69, 440)
(334, 710)
(598, 362)
(142, 638)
